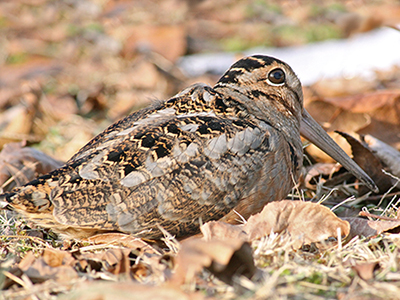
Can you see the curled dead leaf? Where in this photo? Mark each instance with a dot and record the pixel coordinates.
(364, 157)
(317, 171)
(387, 154)
(369, 228)
(366, 270)
(38, 269)
(56, 258)
(321, 157)
(224, 258)
(221, 230)
(305, 222)
(301, 220)
(376, 113)
(169, 41)
(27, 261)
(116, 261)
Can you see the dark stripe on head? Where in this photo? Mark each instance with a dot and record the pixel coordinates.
(268, 60)
(231, 76)
(287, 106)
(249, 64)
(257, 94)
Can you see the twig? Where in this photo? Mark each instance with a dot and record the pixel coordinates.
(369, 215)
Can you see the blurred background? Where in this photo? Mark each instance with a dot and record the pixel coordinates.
(70, 68)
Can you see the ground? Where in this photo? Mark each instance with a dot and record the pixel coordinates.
(68, 69)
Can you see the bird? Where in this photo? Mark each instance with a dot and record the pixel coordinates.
(207, 153)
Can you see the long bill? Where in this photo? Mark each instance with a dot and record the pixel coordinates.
(313, 132)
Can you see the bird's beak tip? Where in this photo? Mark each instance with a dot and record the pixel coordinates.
(313, 132)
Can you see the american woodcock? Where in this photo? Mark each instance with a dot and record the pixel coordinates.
(207, 153)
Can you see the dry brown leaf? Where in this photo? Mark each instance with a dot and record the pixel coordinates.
(376, 113)
(364, 157)
(40, 271)
(92, 99)
(366, 270)
(224, 258)
(321, 157)
(140, 271)
(387, 154)
(56, 258)
(341, 86)
(301, 220)
(144, 75)
(58, 107)
(367, 102)
(72, 134)
(88, 261)
(128, 290)
(368, 228)
(21, 123)
(334, 118)
(116, 261)
(318, 170)
(35, 68)
(23, 164)
(124, 240)
(53, 264)
(17, 123)
(221, 230)
(169, 41)
(27, 261)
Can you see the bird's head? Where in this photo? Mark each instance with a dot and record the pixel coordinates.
(267, 88)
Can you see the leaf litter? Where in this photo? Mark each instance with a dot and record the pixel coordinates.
(65, 81)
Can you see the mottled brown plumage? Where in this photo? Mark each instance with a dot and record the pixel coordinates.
(201, 155)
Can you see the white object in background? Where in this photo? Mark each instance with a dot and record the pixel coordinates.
(359, 55)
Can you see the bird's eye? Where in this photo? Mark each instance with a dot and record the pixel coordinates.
(276, 77)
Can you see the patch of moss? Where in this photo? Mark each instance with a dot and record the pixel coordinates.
(16, 58)
(236, 44)
(321, 32)
(96, 27)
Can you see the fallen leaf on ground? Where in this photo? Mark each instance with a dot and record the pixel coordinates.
(320, 156)
(301, 220)
(376, 113)
(305, 222)
(35, 68)
(122, 239)
(128, 290)
(27, 261)
(341, 86)
(116, 261)
(56, 258)
(23, 164)
(317, 171)
(38, 270)
(366, 270)
(364, 157)
(387, 154)
(169, 41)
(368, 228)
(221, 230)
(224, 258)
